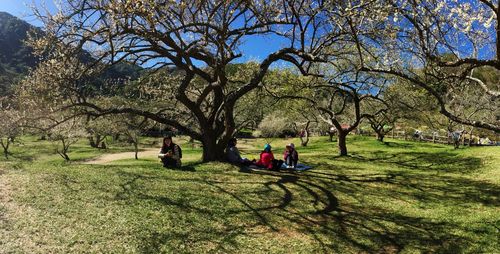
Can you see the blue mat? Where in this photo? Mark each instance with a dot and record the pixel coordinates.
(299, 167)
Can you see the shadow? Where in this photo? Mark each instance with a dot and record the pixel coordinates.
(438, 161)
(189, 168)
(22, 157)
(398, 144)
(331, 209)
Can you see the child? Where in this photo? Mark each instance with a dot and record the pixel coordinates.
(267, 159)
(291, 156)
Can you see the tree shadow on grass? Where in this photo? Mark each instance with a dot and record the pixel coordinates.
(413, 144)
(336, 225)
(332, 210)
(423, 161)
(399, 145)
(21, 157)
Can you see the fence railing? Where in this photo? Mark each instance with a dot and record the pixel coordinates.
(465, 139)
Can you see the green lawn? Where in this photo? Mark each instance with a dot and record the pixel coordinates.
(384, 198)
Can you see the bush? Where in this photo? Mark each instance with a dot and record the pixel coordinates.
(245, 133)
(275, 125)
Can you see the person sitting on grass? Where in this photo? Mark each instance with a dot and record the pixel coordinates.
(233, 154)
(267, 159)
(170, 153)
(291, 156)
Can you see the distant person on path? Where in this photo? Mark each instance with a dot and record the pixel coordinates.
(455, 136)
(267, 159)
(170, 153)
(291, 156)
(233, 154)
(417, 134)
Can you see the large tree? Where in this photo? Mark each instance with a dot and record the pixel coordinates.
(198, 40)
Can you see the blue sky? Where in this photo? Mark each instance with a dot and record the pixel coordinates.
(253, 49)
(21, 9)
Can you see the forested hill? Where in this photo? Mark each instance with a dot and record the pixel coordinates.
(16, 58)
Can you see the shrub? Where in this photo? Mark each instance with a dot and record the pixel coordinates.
(275, 125)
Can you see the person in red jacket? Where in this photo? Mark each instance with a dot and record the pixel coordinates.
(267, 159)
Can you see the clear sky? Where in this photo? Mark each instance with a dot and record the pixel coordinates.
(21, 8)
(254, 48)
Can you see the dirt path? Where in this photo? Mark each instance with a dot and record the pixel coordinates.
(107, 158)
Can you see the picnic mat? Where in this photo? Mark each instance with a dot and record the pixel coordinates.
(299, 167)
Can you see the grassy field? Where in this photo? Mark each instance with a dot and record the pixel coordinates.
(393, 197)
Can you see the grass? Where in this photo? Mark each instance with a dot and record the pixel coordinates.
(388, 197)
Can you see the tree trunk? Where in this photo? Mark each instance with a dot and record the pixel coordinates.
(211, 150)
(380, 136)
(6, 151)
(101, 140)
(5, 147)
(92, 142)
(64, 155)
(136, 150)
(470, 136)
(342, 143)
(305, 139)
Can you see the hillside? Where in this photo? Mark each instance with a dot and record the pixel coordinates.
(15, 57)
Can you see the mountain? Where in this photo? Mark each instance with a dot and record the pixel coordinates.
(16, 58)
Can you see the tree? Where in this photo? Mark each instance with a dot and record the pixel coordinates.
(66, 134)
(198, 39)
(287, 89)
(132, 127)
(304, 134)
(382, 123)
(391, 106)
(342, 97)
(98, 130)
(437, 46)
(276, 124)
(11, 122)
